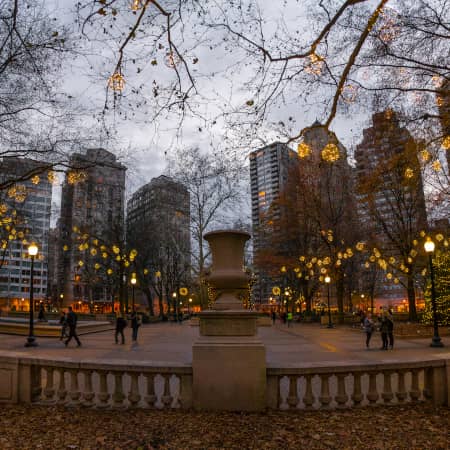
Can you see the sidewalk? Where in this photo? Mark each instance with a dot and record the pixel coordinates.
(171, 344)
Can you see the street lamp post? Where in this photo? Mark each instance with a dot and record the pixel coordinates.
(436, 340)
(133, 283)
(328, 281)
(31, 342)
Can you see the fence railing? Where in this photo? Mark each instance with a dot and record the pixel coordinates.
(356, 385)
(121, 384)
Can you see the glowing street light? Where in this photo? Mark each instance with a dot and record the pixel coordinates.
(133, 283)
(31, 342)
(328, 281)
(436, 340)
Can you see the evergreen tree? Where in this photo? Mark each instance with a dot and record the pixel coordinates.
(441, 264)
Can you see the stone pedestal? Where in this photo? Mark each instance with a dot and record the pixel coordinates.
(229, 363)
(228, 360)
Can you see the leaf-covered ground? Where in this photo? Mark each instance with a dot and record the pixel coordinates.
(41, 427)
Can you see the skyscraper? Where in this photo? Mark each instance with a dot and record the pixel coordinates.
(25, 207)
(270, 167)
(92, 203)
(391, 197)
(158, 227)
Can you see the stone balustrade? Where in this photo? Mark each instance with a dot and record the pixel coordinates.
(358, 385)
(116, 384)
(94, 384)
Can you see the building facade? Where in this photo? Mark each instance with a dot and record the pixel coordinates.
(25, 217)
(391, 199)
(270, 169)
(158, 227)
(92, 204)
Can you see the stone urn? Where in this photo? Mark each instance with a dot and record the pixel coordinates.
(227, 277)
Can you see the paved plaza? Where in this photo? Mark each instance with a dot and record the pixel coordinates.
(295, 346)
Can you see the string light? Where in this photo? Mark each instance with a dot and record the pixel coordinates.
(116, 82)
(315, 64)
(409, 173)
(425, 155)
(446, 142)
(437, 166)
(303, 150)
(35, 179)
(172, 60)
(349, 93)
(136, 5)
(330, 153)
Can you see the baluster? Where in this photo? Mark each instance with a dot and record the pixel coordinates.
(118, 396)
(166, 397)
(292, 397)
(357, 396)
(88, 394)
(341, 397)
(308, 399)
(49, 390)
(283, 398)
(103, 396)
(62, 391)
(372, 394)
(74, 393)
(401, 392)
(414, 393)
(133, 395)
(36, 383)
(324, 397)
(387, 393)
(150, 398)
(428, 374)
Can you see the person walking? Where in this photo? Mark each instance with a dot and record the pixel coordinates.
(72, 324)
(274, 317)
(135, 324)
(384, 328)
(41, 314)
(121, 323)
(368, 327)
(390, 323)
(63, 323)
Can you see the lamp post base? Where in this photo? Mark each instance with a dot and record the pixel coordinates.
(330, 325)
(31, 342)
(436, 342)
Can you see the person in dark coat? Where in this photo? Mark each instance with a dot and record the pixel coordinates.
(41, 314)
(63, 323)
(384, 328)
(135, 324)
(121, 323)
(390, 322)
(274, 317)
(368, 327)
(72, 324)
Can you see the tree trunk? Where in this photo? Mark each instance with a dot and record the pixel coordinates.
(412, 299)
(149, 296)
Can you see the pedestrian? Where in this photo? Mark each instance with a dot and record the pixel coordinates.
(41, 314)
(384, 328)
(63, 323)
(274, 317)
(72, 324)
(121, 323)
(368, 328)
(135, 324)
(390, 322)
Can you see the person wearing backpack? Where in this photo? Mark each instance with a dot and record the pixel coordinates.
(121, 323)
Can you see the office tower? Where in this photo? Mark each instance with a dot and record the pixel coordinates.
(158, 227)
(92, 204)
(270, 169)
(391, 199)
(25, 216)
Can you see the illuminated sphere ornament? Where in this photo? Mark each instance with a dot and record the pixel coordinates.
(446, 142)
(116, 82)
(425, 155)
(315, 64)
(183, 291)
(276, 290)
(172, 60)
(330, 153)
(136, 5)
(304, 150)
(409, 173)
(437, 166)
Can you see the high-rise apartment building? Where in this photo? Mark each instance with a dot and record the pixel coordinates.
(391, 198)
(25, 215)
(158, 227)
(92, 203)
(269, 174)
